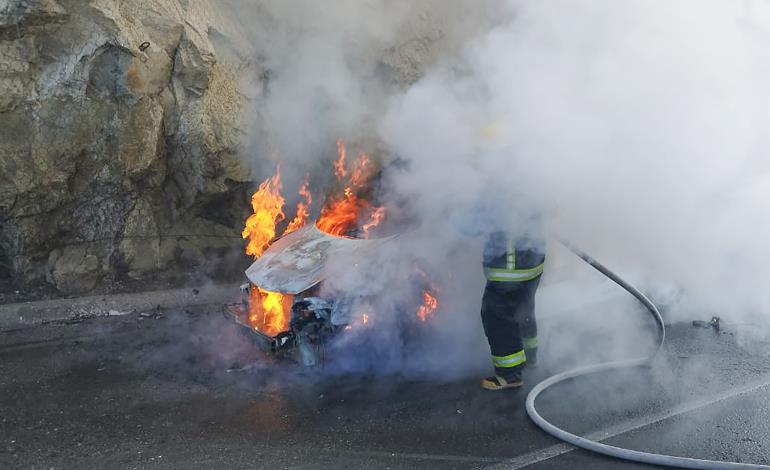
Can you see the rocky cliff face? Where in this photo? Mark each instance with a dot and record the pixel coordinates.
(120, 129)
(123, 123)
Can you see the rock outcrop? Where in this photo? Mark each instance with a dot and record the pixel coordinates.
(120, 130)
(124, 124)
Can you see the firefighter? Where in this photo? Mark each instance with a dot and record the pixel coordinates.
(513, 265)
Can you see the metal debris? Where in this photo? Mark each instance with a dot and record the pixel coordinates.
(144, 46)
(156, 315)
(313, 320)
(713, 323)
(118, 313)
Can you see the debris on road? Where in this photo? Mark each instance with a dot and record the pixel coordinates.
(117, 313)
(713, 323)
(78, 316)
(154, 315)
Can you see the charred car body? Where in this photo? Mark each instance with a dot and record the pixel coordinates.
(293, 270)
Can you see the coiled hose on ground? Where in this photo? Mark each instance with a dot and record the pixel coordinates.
(605, 449)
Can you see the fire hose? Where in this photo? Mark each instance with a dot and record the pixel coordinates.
(605, 449)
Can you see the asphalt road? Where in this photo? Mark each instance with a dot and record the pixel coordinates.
(131, 392)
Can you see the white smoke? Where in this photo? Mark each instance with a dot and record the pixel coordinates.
(329, 68)
(330, 71)
(640, 126)
(637, 127)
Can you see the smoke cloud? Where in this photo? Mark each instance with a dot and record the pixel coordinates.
(637, 129)
(327, 71)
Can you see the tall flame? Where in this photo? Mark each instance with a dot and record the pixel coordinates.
(362, 172)
(303, 207)
(342, 212)
(267, 203)
(268, 311)
(340, 169)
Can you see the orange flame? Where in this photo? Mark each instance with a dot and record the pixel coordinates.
(363, 171)
(374, 220)
(429, 299)
(341, 214)
(340, 168)
(269, 311)
(267, 203)
(303, 207)
(428, 307)
(357, 325)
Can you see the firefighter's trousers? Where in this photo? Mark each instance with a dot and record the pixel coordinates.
(508, 316)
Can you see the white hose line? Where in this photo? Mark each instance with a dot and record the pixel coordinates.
(605, 449)
(612, 451)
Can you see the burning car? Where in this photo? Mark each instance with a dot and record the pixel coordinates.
(281, 304)
(283, 307)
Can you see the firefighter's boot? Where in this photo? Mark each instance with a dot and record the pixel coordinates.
(511, 379)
